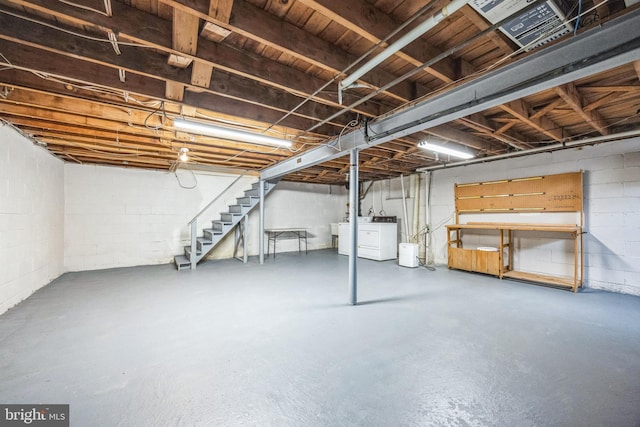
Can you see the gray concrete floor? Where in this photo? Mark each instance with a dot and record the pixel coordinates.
(277, 345)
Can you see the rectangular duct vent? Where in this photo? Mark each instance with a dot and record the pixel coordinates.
(544, 23)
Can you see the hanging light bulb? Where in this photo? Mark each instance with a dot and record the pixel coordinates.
(183, 154)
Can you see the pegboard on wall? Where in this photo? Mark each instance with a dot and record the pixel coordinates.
(545, 193)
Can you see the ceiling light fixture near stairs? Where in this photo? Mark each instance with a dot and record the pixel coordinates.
(183, 154)
(228, 133)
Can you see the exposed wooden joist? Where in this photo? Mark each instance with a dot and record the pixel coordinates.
(542, 124)
(222, 55)
(30, 59)
(569, 93)
(481, 124)
(154, 65)
(358, 15)
(156, 33)
(259, 25)
(185, 39)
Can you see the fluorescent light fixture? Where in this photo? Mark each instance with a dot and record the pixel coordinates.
(228, 133)
(409, 37)
(445, 150)
(183, 154)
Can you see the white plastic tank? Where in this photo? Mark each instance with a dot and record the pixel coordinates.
(408, 254)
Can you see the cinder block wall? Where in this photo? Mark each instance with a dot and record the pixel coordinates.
(31, 217)
(118, 217)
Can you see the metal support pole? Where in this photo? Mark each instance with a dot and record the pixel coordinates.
(353, 227)
(245, 254)
(261, 231)
(194, 247)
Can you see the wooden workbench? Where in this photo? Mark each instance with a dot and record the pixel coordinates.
(511, 198)
(500, 262)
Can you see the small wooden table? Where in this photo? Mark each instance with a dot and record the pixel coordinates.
(274, 233)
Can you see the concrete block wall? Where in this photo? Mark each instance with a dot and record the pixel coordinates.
(31, 217)
(309, 206)
(118, 217)
(611, 203)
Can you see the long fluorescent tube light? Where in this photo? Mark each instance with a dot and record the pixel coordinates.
(402, 42)
(228, 133)
(445, 150)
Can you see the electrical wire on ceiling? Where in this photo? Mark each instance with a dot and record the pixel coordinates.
(352, 124)
(163, 117)
(81, 6)
(424, 65)
(195, 179)
(448, 53)
(91, 88)
(575, 30)
(358, 60)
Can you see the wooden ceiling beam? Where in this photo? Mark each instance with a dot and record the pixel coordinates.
(520, 110)
(47, 119)
(221, 9)
(569, 93)
(482, 124)
(547, 108)
(30, 59)
(124, 141)
(88, 149)
(358, 15)
(216, 54)
(156, 33)
(36, 126)
(154, 65)
(377, 26)
(259, 25)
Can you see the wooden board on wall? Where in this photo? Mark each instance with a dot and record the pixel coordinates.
(545, 193)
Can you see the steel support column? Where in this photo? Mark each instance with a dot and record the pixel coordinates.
(353, 227)
(261, 231)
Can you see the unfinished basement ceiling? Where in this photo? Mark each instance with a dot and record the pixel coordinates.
(101, 82)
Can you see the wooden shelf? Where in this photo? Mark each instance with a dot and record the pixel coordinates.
(541, 278)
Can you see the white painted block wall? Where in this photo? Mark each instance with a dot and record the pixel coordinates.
(31, 217)
(118, 217)
(309, 206)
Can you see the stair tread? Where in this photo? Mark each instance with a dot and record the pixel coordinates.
(212, 231)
